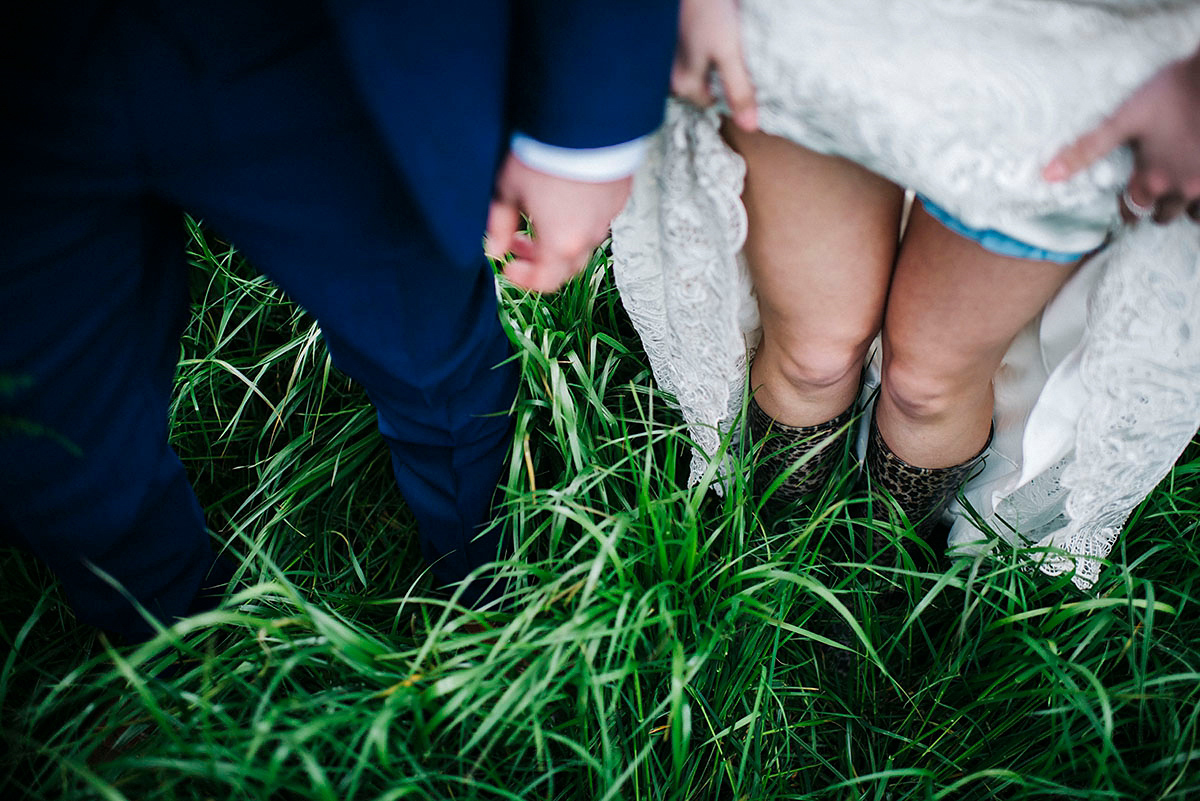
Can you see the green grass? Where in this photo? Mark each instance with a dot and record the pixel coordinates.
(663, 642)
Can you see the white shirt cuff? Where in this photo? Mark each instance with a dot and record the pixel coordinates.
(589, 164)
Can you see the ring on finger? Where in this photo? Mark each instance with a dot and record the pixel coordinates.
(1136, 209)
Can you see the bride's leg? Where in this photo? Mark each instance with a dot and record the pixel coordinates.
(952, 311)
(821, 244)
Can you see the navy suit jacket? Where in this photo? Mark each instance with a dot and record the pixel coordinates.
(448, 81)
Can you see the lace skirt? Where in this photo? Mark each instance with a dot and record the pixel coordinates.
(962, 101)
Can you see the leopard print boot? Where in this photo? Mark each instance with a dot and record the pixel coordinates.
(781, 446)
(923, 493)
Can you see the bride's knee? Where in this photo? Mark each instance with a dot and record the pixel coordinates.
(928, 390)
(816, 366)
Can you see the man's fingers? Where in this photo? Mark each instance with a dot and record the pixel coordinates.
(1092, 146)
(543, 266)
(570, 219)
(523, 246)
(503, 220)
(521, 273)
(538, 277)
(739, 91)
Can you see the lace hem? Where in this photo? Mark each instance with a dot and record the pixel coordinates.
(676, 263)
(945, 97)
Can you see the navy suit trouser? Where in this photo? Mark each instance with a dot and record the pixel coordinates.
(253, 125)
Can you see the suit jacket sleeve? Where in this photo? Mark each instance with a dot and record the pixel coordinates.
(447, 81)
(589, 73)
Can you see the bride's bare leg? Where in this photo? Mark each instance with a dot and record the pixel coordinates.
(952, 312)
(821, 245)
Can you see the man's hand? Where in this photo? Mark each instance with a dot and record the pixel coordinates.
(1161, 122)
(570, 218)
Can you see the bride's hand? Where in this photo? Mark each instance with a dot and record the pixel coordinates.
(708, 40)
(1161, 123)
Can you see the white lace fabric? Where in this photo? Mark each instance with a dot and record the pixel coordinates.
(963, 101)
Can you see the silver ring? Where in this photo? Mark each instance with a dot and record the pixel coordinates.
(1136, 209)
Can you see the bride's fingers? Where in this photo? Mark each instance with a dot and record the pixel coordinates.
(1093, 145)
(1191, 203)
(689, 81)
(1139, 200)
(1168, 207)
(739, 90)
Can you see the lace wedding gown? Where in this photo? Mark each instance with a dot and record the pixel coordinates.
(962, 101)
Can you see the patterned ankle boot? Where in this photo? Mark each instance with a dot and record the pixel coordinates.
(781, 446)
(923, 493)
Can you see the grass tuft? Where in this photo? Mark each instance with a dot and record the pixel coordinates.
(662, 642)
